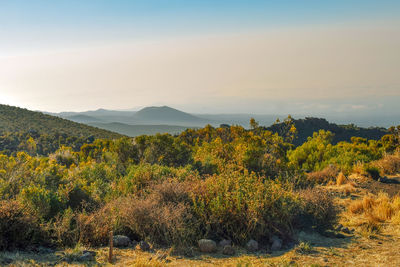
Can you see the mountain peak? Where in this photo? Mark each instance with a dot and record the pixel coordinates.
(165, 115)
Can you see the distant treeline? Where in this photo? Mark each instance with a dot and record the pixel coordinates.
(306, 127)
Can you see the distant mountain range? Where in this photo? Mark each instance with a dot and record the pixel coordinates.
(164, 119)
(151, 120)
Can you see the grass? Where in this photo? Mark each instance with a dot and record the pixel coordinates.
(340, 179)
(304, 248)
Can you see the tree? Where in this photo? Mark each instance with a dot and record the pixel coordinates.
(253, 124)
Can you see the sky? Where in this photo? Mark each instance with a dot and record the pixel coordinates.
(287, 56)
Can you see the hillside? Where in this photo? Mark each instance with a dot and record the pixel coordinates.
(306, 127)
(38, 133)
(136, 130)
(14, 119)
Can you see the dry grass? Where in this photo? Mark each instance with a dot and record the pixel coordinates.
(358, 168)
(340, 179)
(372, 212)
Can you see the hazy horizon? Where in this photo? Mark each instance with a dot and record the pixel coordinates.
(282, 57)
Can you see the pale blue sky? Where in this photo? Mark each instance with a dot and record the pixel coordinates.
(222, 56)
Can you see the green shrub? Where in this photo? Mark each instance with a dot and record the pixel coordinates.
(44, 203)
(243, 206)
(372, 172)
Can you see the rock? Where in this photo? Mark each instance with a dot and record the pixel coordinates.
(276, 243)
(87, 256)
(225, 242)
(252, 245)
(89, 252)
(121, 241)
(143, 246)
(207, 245)
(228, 250)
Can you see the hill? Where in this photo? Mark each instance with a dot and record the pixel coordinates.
(14, 119)
(136, 130)
(307, 126)
(38, 133)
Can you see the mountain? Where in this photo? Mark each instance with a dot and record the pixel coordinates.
(136, 130)
(307, 126)
(14, 119)
(167, 116)
(147, 116)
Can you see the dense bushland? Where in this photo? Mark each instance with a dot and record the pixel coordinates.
(219, 183)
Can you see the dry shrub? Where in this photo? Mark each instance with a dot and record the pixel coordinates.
(164, 217)
(63, 230)
(340, 179)
(18, 227)
(325, 176)
(319, 209)
(389, 164)
(94, 228)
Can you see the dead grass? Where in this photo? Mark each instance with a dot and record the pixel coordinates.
(340, 179)
(371, 213)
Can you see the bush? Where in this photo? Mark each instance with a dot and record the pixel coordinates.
(372, 172)
(18, 227)
(325, 176)
(389, 164)
(243, 206)
(163, 218)
(94, 228)
(63, 230)
(318, 211)
(44, 203)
